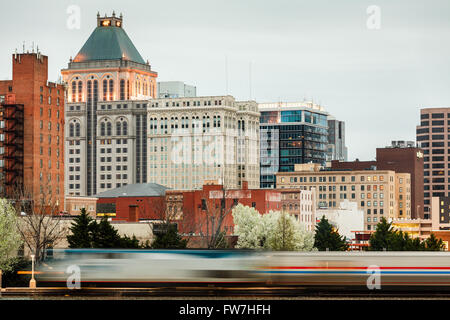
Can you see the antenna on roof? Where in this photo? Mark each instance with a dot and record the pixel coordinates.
(250, 79)
(226, 74)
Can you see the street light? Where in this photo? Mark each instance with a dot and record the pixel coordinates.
(32, 281)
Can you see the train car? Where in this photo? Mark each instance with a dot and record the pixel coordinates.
(149, 267)
(373, 270)
(155, 268)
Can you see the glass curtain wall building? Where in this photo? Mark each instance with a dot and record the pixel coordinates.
(290, 133)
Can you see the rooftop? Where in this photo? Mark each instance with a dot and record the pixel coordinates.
(135, 190)
(109, 41)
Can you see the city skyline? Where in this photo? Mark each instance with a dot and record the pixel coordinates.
(363, 69)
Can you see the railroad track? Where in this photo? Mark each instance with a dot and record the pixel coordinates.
(255, 292)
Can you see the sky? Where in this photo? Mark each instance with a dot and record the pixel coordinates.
(374, 79)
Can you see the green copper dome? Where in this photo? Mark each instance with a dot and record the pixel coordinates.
(108, 43)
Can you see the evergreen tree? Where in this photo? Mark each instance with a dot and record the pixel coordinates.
(433, 244)
(81, 230)
(129, 243)
(104, 235)
(328, 238)
(169, 239)
(381, 239)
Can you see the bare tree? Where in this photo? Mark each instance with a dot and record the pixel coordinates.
(215, 210)
(40, 224)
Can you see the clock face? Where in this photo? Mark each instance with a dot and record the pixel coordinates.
(419, 155)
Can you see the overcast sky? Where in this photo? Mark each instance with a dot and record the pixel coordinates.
(376, 80)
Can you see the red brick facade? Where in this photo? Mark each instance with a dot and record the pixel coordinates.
(188, 208)
(43, 103)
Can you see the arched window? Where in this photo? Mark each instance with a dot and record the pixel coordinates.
(118, 128)
(111, 89)
(105, 90)
(109, 129)
(74, 90)
(125, 128)
(77, 129)
(122, 89)
(80, 91)
(71, 130)
(102, 129)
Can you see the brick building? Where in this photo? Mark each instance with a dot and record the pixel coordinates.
(191, 207)
(11, 145)
(43, 126)
(153, 202)
(402, 158)
(379, 193)
(133, 202)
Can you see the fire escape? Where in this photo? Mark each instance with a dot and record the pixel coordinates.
(13, 143)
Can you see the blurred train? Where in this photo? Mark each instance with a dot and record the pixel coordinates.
(152, 268)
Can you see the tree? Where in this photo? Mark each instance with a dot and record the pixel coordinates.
(10, 239)
(433, 244)
(327, 238)
(40, 225)
(271, 231)
(130, 243)
(247, 222)
(282, 236)
(81, 230)
(104, 235)
(216, 210)
(169, 239)
(381, 239)
(386, 238)
(87, 233)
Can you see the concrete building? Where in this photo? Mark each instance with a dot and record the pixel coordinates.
(119, 133)
(336, 149)
(401, 157)
(433, 136)
(109, 84)
(416, 228)
(290, 133)
(176, 89)
(34, 133)
(301, 204)
(192, 140)
(379, 193)
(347, 218)
(73, 205)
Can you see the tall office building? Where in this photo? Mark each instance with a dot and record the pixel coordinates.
(109, 84)
(434, 138)
(33, 122)
(336, 149)
(176, 89)
(118, 132)
(192, 140)
(290, 133)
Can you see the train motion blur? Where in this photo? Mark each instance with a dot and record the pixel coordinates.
(153, 268)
